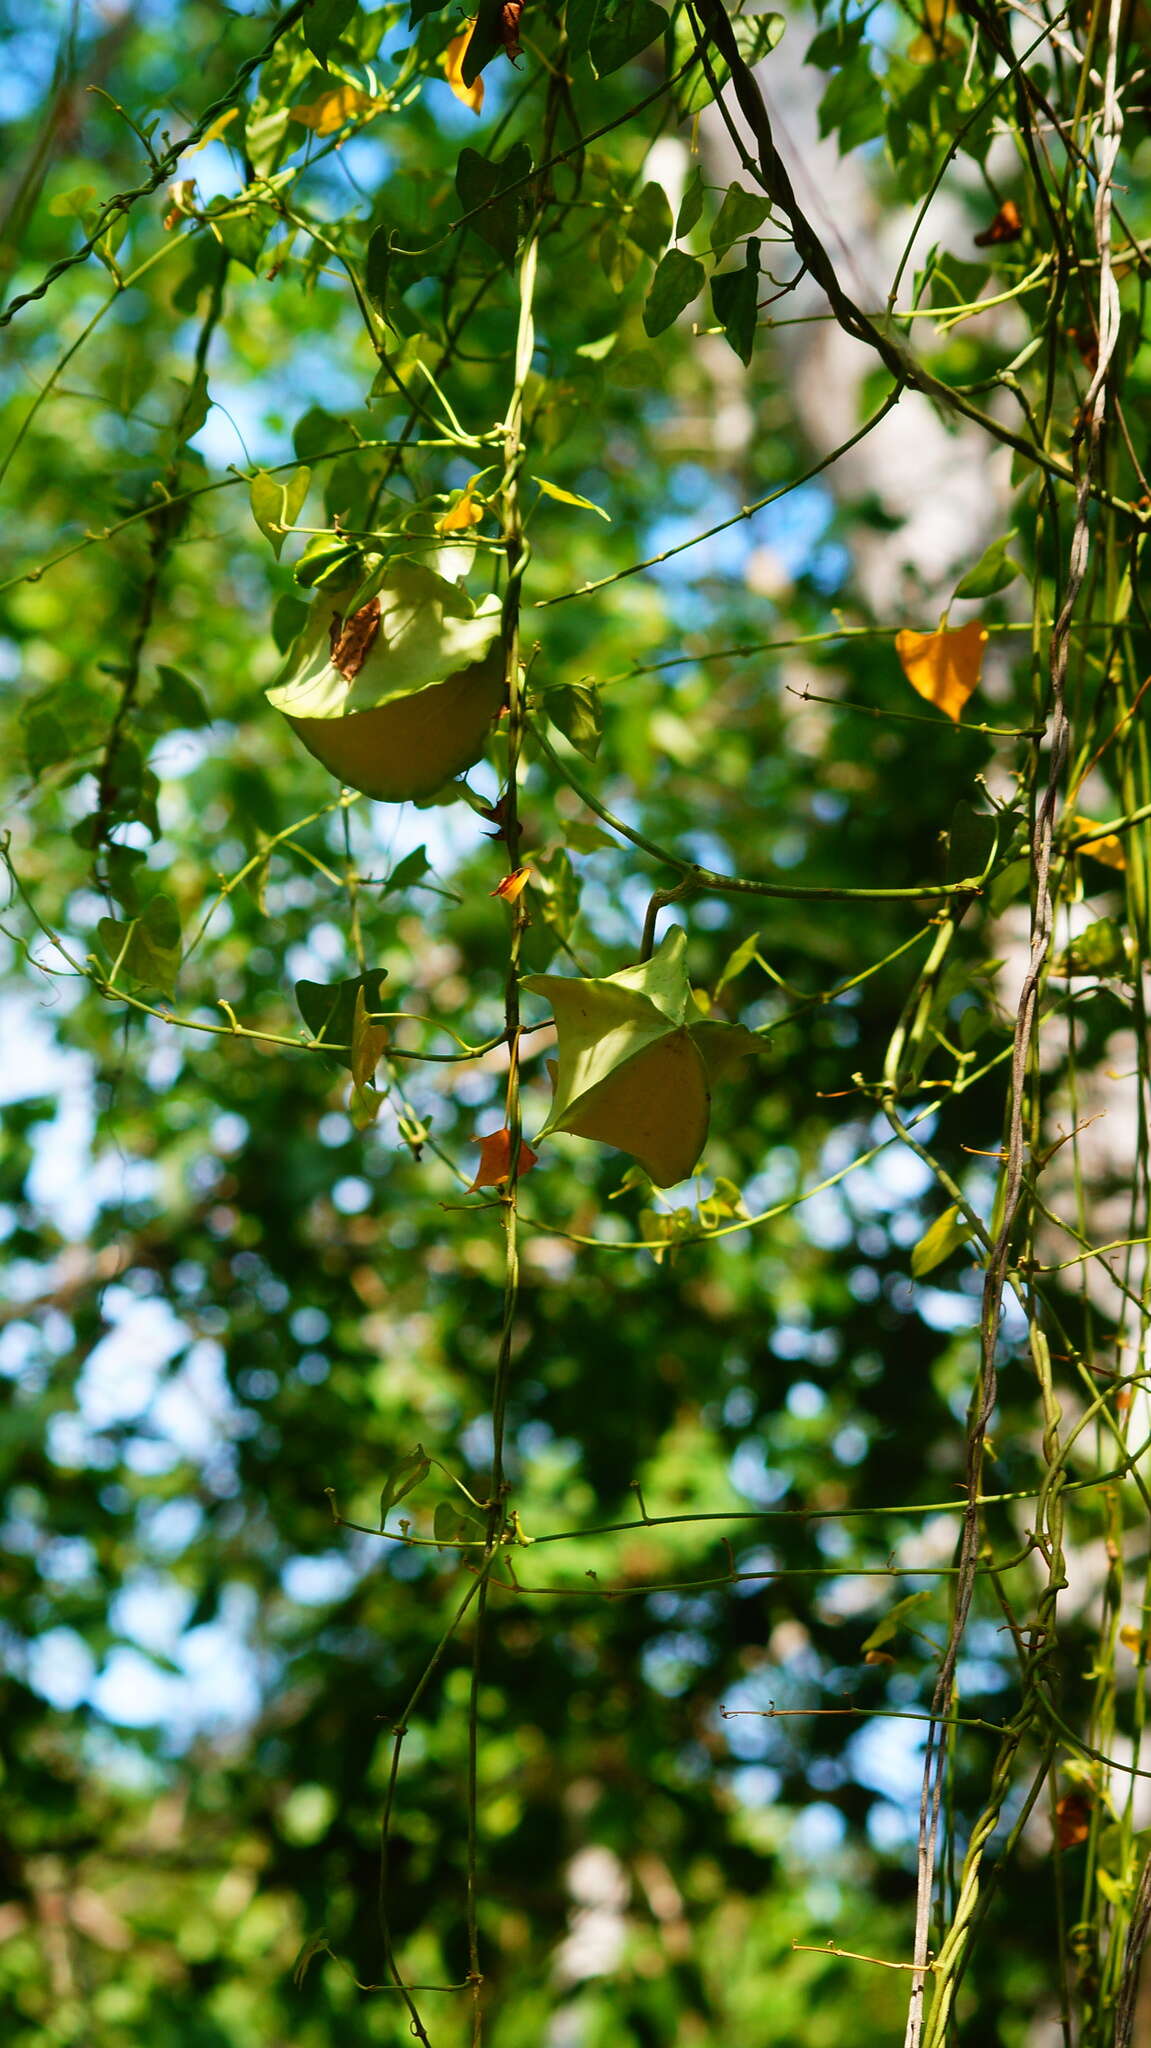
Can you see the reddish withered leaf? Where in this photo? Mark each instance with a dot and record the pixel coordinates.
(495, 1159)
(354, 638)
(1072, 1819)
(510, 14)
(1006, 227)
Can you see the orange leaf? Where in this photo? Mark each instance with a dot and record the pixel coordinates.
(453, 63)
(464, 513)
(334, 108)
(512, 886)
(877, 1657)
(945, 666)
(1108, 850)
(495, 1159)
(1072, 1819)
(1006, 227)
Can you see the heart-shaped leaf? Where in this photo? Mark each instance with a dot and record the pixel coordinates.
(636, 1060)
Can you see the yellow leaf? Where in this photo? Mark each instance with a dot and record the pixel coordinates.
(214, 133)
(945, 666)
(453, 63)
(513, 886)
(464, 513)
(1131, 1639)
(368, 1042)
(1109, 850)
(333, 109)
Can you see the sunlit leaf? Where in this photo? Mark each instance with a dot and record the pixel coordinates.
(570, 498)
(511, 887)
(368, 1042)
(633, 1071)
(277, 503)
(215, 132)
(466, 512)
(333, 110)
(1100, 949)
(1109, 849)
(397, 695)
(453, 63)
(944, 667)
(938, 1242)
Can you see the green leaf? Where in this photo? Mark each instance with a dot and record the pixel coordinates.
(407, 871)
(324, 23)
(621, 30)
(1009, 883)
(486, 40)
(397, 690)
(482, 183)
(757, 33)
(148, 949)
(276, 503)
(426, 629)
(1101, 949)
(649, 223)
(994, 570)
(315, 1945)
(893, 1621)
(289, 618)
(678, 280)
(575, 709)
(402, 1478)
(691, 205)
(618, 258)
(328, 558)
(563, 497)
(47, 740)
(455, 1523)
(740, 214)
(586, 837)
(742, 957)
(377, 267)
(329, 1009)
(597, 351)
(735, 296)
(557, 890)
(318, 433)
(635, 1060)
(945, 1236)
(242, 234)
(179, 699)
(972, 840)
